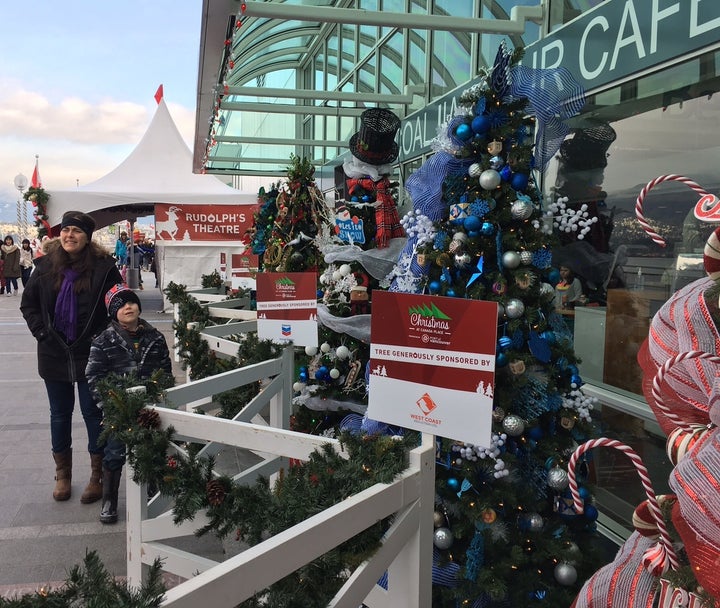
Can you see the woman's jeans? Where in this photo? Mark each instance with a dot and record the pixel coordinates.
(25, 275)
(62, 402)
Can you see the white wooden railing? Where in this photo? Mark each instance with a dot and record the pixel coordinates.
(406, 550)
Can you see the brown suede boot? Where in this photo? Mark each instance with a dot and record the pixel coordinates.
(63, 474)
(93, 491)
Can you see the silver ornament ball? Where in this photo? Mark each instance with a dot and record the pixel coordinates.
(438, 519)
(526, 257)
(475, 170)
(514, 308)
(521, 210)
(546, 290)
(443, 538)
(513, 425)
(565, 574)
(558, 479)
(535, 522)
(511, 259)
(489, 179)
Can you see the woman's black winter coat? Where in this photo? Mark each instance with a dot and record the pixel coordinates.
(57, 360)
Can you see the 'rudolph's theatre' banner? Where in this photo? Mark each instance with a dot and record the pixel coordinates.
(202, 223)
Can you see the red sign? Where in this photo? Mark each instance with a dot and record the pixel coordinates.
(287, 307)
(432, 364)
(202, 223)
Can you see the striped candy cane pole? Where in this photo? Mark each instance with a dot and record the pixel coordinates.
(650, 185)
(658, 558)
(660, 377)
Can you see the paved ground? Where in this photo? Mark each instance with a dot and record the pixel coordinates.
(40, 539)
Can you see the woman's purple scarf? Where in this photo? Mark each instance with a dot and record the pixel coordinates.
(66, 306)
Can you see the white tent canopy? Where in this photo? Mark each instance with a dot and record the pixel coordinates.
(158, 170)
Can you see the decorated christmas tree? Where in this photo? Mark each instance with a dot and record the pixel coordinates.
(505, 531)
(291, 221)
(368, 239)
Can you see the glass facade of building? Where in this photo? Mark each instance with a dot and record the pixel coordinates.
(653, 116)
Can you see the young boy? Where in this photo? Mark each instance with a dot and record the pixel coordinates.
(129, 344)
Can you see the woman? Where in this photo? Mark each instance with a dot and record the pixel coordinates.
(63, 306)
(26, 261)
(568, 291)
(11, 266)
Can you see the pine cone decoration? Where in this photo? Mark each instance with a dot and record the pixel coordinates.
(148, 419)
(215, 492)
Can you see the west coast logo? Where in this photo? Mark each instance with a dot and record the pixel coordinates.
(426, 404)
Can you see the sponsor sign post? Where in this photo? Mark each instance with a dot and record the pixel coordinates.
(287, 307)
(432, 364)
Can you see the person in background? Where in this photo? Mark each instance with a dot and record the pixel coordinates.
(11, 266)
(128, 345)
(568, 292)
(121, 250)
(63, 307)
(26, 261)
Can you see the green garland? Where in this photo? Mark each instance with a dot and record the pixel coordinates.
(94, 587)
(39, 198)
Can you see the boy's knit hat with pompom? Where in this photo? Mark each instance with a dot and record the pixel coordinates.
(117, 296)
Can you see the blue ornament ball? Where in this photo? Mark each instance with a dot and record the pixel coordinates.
(573, 369)
(584, 492)
(504, 342)
(576, 380)
(450, 293)
(453, 483)
(554, 276)
(505, 173)
(365, 198)
(591, 512)
(303, 376)
(472, 222)
(320, 293)
(354, 199)
(463, 132)
(480, 124)
(434, 287)
(501, 360)
(519, 182)
(473, 233)
(549, 336)
(487, 229)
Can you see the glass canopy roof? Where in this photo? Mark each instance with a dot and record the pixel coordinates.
(285, 77)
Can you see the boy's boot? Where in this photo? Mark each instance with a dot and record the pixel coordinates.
(110, 487)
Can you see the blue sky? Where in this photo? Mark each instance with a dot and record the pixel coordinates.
(77, 80)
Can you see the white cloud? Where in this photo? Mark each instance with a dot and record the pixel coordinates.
(76, 141)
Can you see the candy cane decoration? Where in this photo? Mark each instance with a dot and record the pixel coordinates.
(650, 185)
(657, 558)
(660, 377)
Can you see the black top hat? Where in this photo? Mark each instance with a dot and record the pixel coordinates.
(375, 143)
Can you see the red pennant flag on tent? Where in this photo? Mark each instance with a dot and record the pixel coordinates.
(36, 182)
(159, 94)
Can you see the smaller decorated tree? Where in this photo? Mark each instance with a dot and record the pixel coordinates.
(298, 224)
